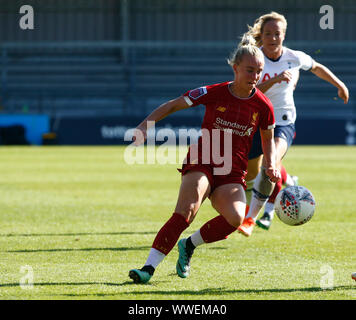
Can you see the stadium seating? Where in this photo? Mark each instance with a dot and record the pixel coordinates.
(94, 80)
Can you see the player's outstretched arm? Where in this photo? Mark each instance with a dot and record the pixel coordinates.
(324, 73)
(164, 110)
(269, 155)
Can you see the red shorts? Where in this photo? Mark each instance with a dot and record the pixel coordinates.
(236, 175)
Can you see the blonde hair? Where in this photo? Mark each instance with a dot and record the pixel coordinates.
(247, 46)
(257, 29)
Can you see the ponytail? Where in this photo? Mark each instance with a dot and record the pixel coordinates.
(247, 46)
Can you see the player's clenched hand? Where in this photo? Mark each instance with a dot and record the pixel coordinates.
(139, 136)
(284, 76)
(343, 93)
(273, 174)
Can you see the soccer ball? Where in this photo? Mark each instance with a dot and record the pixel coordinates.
(294, 205)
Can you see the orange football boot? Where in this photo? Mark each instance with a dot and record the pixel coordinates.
(246, 227)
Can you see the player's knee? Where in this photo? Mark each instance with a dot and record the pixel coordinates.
(188, 211)
(235, 219)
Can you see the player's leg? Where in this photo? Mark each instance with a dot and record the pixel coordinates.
(265, 221)
(291, 180)
(284, 174)
(195, 187)
(262, 189)
(283, 137)
(253, 165)
(230, 201)
(286, 180)
(253, 168)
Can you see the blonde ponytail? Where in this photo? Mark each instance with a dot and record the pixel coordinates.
(247, 39)
(247, 46)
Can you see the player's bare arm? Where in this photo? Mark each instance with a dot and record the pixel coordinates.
(269, 154)
(283, 76)
(164, 110)
(324, 73)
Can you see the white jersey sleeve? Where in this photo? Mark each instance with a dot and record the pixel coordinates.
(305, 61)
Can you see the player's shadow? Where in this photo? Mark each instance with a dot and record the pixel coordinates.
(76, 234)
(43, 284)
(80, 249)
(91, 249)
(166, 293)
(222, 291)
(77, 284)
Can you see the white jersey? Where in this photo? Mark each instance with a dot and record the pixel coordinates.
(281, 94)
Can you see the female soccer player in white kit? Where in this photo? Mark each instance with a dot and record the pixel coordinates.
(280, 74)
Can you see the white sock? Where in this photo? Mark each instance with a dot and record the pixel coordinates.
(155, 257)
(255, 207)
(289, 181)
(248, 191)
(269, 208)
(197, 239)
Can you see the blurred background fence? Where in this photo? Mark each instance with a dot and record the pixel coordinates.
(111, 62)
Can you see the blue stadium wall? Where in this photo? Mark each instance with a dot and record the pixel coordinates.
(172, 20)
(200, 20)
(112, 130)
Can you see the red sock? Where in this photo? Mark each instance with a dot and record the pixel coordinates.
(169, 234)
(277, 188)
(216, 229)
(283, 174)
(246, 210)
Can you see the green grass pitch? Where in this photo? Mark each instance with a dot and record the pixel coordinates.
(77, 219)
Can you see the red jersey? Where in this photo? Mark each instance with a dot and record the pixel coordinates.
(241, 117)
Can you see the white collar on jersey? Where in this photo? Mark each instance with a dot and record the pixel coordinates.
(274, 60)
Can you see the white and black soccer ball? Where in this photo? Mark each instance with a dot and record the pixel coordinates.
(294, 205)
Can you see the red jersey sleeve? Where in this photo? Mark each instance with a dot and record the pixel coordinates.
(198, 96)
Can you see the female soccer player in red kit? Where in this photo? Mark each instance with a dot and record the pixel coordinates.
(236, 110)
